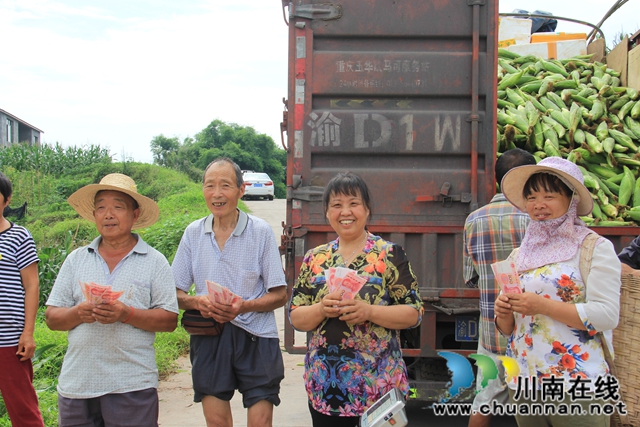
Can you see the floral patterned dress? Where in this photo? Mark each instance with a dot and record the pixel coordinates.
(544, 347)
(348, 367)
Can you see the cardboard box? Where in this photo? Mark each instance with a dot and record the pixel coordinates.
(513, 31)
(596, 48)
(556, 37)
(626, 62)
(552, 50)
(634, 68)
(618, 59)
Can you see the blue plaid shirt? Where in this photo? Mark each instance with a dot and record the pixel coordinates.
(249, 265)
(490, 234)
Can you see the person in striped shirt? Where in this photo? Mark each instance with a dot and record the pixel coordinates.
(490, 234)
(19, 295)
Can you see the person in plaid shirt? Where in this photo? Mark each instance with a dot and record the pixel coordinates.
(490, 234)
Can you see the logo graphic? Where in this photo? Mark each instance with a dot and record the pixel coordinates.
(462, 373)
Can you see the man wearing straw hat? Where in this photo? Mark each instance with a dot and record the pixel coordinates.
(109, 375)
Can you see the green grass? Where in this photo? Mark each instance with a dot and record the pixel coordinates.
(46, 366)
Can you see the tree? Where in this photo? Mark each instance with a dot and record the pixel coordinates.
(249, 149)
(165, 150)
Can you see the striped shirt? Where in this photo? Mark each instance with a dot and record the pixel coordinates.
(490, 234)
(249, 265)
(17, 251)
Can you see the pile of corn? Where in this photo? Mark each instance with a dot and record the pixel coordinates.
(575, 109)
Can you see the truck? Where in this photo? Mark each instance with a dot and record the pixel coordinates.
(404, 94)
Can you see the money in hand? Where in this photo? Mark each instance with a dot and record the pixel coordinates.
(99, 294)
(507, 277)
(220, 294)
(344, 279)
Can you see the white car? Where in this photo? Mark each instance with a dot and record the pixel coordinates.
(257, 184)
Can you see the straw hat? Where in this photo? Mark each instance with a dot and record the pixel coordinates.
(514, 181)
(82, 200)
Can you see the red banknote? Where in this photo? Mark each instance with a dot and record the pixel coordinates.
(344, 279)
(507, 276)
(99, 294)
(220, 294)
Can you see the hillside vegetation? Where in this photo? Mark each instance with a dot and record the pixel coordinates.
(44, 177)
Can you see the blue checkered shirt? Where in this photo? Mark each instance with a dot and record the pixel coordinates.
(490, 234)
(249, 265)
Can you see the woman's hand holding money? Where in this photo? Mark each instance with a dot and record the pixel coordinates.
(329, 304)
(354, 311)
(528, 303)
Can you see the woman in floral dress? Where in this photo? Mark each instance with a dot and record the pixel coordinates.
(354, 354)
(552, 325)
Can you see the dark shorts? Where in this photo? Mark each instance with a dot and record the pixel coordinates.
(133, 409)
(236, 360)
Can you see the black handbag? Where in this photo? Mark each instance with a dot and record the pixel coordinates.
(195, 324)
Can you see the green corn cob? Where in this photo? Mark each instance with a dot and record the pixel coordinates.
(633, 126)
(582, 100)
(615, 223)
(513, 97)
(634, 215)
(560, 118)
(622, 139)
(625, 160)
(504, 103)
(626, 186)
(536, 103)
(593, 143)
(505, 119)
(550, 150)
(556, 99)
(597, 110)
(635, 111)
(602, 131)
(560, 130)
(614, 188)
(602, 197)
(597, 212)
(550, 105)
(554, 68)
(507, 54)
(507, 66)
(619, 148)
(579, 137)
(602, 185)
(510, 80)
(551, 136)
(616, 178)
(619, 103)
(626, 108)
(636, 193)
(609, 210)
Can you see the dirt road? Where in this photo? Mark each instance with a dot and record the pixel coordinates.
(177, 408)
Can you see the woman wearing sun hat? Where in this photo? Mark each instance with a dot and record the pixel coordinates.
(109, 375)
(552, 324)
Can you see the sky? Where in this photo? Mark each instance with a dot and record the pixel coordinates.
(117, 73)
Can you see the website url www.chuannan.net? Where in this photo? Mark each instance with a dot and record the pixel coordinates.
(464, 409)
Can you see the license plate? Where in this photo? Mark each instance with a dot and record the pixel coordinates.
(467, 328)
(257, 185)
